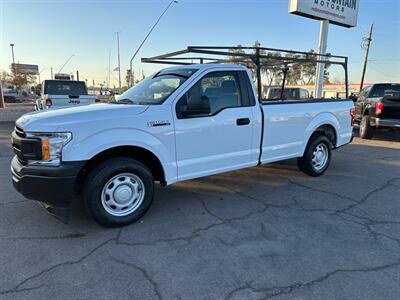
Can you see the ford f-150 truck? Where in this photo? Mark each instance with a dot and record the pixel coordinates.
(63, 93)
(378, 106)
(178, 124)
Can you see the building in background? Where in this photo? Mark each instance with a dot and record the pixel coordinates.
(331, 90)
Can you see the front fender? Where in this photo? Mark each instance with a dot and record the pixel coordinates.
(90, 146)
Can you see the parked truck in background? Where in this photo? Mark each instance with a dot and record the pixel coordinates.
(63, 93)
(180, 123)
(378, 106)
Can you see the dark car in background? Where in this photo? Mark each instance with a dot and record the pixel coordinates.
(378, 106)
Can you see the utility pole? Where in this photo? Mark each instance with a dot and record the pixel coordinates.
(1, 95)
(51, 70)
(119, 63)
(77, 75)
(12, 52)
(366, 44)
(109, 68)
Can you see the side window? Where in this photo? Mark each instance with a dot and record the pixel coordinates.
(211, 94)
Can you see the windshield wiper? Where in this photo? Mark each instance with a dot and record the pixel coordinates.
(129, 101)
(126, 101)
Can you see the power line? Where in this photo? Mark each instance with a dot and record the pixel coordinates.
(382, 72)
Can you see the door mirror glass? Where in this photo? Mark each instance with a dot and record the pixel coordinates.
(193, 105)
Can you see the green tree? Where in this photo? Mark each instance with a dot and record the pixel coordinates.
(19, 79)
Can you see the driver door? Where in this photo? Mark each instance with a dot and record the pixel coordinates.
(214, 126)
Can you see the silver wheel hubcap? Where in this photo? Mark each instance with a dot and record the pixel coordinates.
(320, 156)
(122, 194)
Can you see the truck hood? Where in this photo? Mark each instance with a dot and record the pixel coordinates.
(56, 119)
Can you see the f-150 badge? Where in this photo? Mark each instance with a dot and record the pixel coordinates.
(158, 123)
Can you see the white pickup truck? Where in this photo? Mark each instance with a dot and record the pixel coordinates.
(63, 93)
(178, 124)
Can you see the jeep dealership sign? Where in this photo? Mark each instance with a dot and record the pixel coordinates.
(339, 12)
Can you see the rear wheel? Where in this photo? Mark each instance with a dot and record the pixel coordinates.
(118, 192)
(317, 156)
(366, 130)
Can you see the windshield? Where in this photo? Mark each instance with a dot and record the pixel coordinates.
(382, 90)
(156, 89)
(60, 87)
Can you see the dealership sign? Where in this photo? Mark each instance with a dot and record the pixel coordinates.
(339, 12)
(25, 69)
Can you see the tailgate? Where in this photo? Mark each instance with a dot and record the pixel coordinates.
(70, 100)
(391, 107)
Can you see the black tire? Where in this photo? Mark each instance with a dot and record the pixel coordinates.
(366, 130)
(306, 163)
(101, 175)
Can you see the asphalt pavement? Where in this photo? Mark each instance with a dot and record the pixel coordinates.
(264, 232)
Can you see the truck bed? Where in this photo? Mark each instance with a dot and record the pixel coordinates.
(288, 125)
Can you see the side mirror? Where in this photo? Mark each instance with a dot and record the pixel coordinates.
(196, 107)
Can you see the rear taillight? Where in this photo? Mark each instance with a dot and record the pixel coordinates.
(378, 108)
(49, 102)
(353, 115)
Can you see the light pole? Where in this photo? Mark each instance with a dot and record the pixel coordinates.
(66, 62)
(12, 52)
(144, 40)
(119, 63)
(42, 71)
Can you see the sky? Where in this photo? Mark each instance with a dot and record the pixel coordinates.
(47, 33)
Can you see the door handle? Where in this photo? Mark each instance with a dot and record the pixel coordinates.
(242, 121)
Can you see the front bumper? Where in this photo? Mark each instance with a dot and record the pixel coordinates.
(53, 186)
(394, 123)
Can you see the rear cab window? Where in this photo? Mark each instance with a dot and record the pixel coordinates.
(65, 87)
(382, 90)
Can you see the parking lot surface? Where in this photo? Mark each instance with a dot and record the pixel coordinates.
(265, 232)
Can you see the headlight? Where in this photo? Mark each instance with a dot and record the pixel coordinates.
(52, 144)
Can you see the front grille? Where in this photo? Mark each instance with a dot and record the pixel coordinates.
(25, 148)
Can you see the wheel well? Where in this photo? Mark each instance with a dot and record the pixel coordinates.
(327, 130)
(142, 155)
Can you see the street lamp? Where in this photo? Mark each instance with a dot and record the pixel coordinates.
(140, 46)
(66, 62)
(41, 73)
(119, 62)
(12, 52)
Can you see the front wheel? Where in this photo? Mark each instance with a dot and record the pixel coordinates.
(317, 156)
(118, 192)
